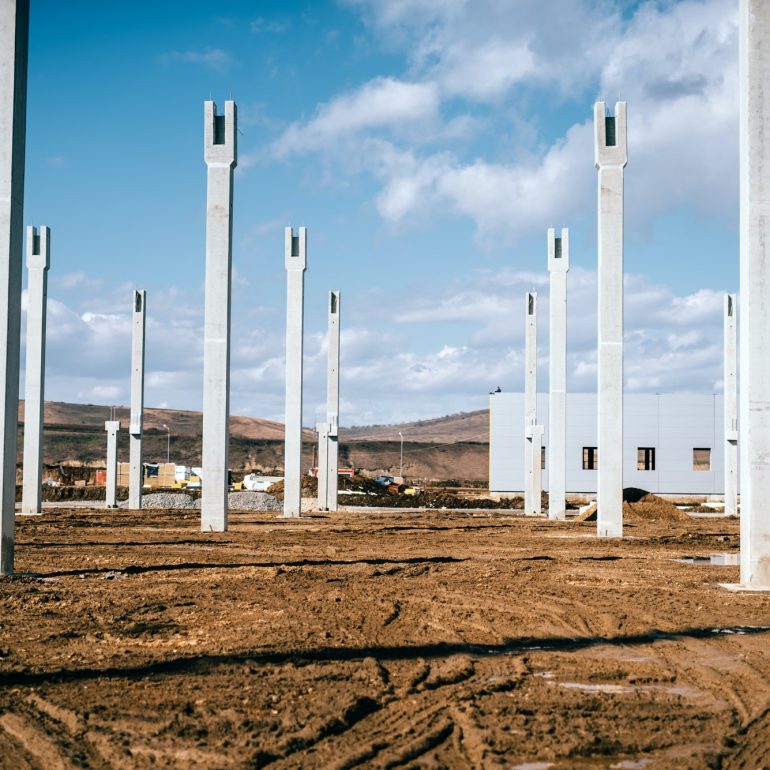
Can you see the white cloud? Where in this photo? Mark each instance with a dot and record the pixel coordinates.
(380, 103)
(212, 58)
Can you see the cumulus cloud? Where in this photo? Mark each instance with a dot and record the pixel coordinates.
(380, 103)
(675, 64)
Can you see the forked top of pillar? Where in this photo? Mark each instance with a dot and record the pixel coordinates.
(38, 248)
(731, 307)
(530, 304)
(220, 135)
(558, 251)
(296, 248)
(140, 301)
(334, 303)
(611, 148)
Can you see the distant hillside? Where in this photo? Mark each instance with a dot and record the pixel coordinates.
(59, 414)
(453, 447)
(465, 426)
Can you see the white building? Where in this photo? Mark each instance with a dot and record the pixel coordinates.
(672, 444)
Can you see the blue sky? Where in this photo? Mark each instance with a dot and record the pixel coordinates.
(426, 144)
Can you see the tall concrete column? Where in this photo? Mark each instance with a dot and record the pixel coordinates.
(221, 155)
(755, 288)
(558, 265)
(611, 156)
(333, 400)
(533, 433)
(323, 465)
(136, 425)
(112, 427)
(14, 38)
(38, 262)
(296, 262)
(730, 378)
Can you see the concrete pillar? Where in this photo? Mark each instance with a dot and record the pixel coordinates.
(296, 262)
(333, 400)
(754, 291)
(558, 265)
(14, 38)
(533, 433)
(221, 155)
(38, 262)
(136, 425)
(112, 427)
(731, 404)
(611, 156)
(323, 465)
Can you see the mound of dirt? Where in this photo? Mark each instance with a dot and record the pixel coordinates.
(639, 505)
(653, 508)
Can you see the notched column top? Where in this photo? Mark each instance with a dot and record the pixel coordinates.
(38, 248)
(220, 134)
(610, 135)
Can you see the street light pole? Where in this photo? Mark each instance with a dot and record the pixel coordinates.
(401, 469)
(168, 444)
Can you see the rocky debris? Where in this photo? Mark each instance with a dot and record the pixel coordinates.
(254, 501)
(166, 500)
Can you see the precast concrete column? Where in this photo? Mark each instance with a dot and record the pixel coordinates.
(112, 427)
(754, 291)
(296, 262)
(136, 424)
(333, 401)
(730, 378)
(221, 155)
(323, 465)
(38, 262)
(611, 156)
(14, 39)
(533, 433)
(558, 265)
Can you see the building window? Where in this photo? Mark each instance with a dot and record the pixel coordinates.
(701, 459)
(542, 458)
(590, 458)
(645, 458)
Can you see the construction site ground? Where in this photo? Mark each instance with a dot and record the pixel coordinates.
(429, 639)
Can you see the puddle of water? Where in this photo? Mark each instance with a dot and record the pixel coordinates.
(715, 560)
(610, 688)
(545, 674)
(633, 764)
(533, 766)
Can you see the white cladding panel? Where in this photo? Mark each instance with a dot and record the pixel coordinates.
(671, 424)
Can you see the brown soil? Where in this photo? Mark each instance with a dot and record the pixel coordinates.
(432, 640)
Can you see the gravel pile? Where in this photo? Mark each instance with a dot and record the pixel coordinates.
(250, 501)
(164, 500)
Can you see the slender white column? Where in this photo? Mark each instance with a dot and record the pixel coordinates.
(296, 262)
(333, 401)
(323, 466)
(533, 433)
(221, 155)
(611, 157)
(731, 404)
(558, 265)
(755, 288)
(112, 427)
(14, 36)
(136, 425)
(38, 262)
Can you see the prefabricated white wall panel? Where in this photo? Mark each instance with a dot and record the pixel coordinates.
(673, 424)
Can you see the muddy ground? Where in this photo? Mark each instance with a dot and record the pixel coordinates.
(441, 639)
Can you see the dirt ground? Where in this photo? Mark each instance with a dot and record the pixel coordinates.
(438, 639)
